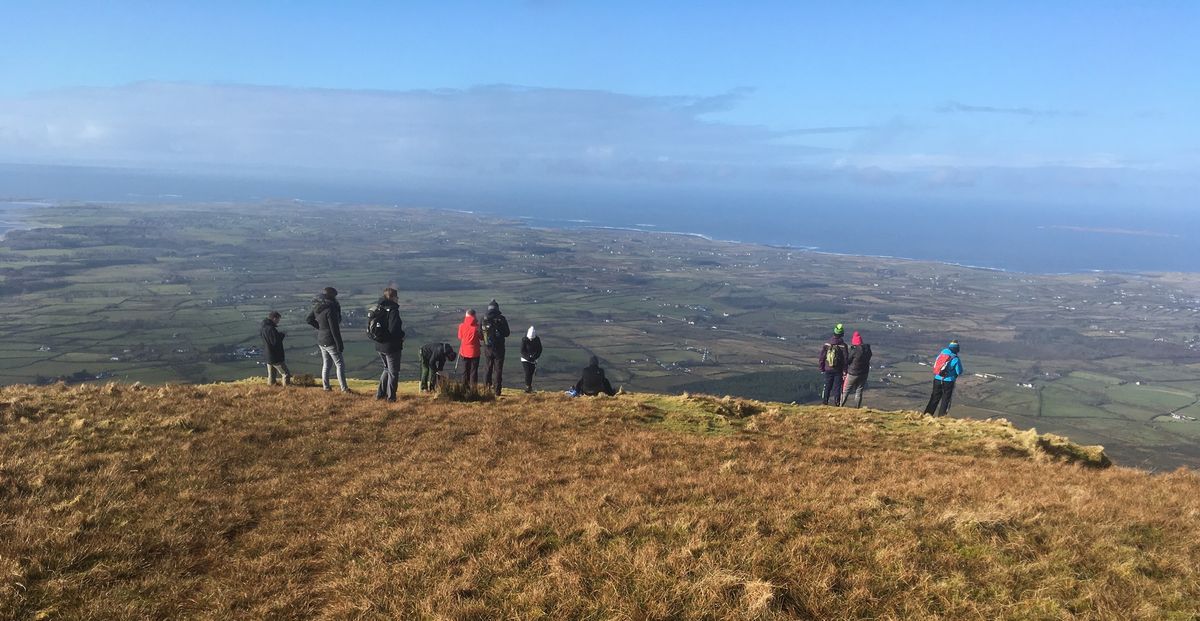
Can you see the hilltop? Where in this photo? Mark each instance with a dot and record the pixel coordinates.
(242, 501)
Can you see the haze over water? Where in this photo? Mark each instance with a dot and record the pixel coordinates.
(987, 235)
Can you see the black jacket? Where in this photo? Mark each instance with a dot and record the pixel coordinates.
(493, 341)
(435, 355)
(531, 350)
(593, 381)
(859, 362)
(272, 341)
(326, 317)
(395, 328)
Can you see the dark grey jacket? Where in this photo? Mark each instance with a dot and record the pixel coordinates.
(326, 317)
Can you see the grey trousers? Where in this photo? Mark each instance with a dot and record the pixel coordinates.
(278, 369)
(330, 356)
(856, 385)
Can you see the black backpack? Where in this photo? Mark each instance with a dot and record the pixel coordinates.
(491, 331)
(377, 324)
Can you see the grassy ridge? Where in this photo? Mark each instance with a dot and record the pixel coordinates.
(242, 501)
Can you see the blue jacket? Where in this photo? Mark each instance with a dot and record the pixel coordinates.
(953, 368)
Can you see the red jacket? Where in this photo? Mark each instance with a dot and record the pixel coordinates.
(469, 336)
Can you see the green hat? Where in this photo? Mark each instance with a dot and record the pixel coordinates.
(839, 330)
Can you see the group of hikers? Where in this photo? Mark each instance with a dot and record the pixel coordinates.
(844, 368)
(844, 371)
(386, 329)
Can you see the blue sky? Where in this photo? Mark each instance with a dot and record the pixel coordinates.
(1079, 101)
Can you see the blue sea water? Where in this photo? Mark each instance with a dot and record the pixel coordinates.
(985, 234)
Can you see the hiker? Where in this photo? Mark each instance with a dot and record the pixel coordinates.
(326, 317)
(833, 366)
(468, 338)
(531, 350)
(946, 369)
(273, 346)
(494, 330)
(858, 365)
(385, 327)
(593, 382)
(433, 359)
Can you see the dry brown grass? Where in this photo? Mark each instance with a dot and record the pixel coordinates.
(239, 501)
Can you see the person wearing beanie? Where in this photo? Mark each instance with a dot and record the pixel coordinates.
(531, 350)
(389, 342)
(832, 364)
(326, 317)
(947, 367)
(494, 330)
(858, 365)
(468, 350)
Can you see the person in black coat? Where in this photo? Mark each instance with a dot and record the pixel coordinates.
(433, 359)
(531, 350)
(326, 317)
(389, 343)
(495, 330)
(858, 366)
(273, 348)
(593, 382)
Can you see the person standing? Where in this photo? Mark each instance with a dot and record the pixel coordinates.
(858, 365)
(386, 328)
(468, 347)
(495, 330)
(326, 317)
(433, 360)
(946, 369)
(833, 366)
(531, 350)
(273, 345)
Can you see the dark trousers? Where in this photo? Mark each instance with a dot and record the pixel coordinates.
(495, 363)
(940, 399)
(389, 377)
(529, 367)
(429, 376)
(833, 387)
(471, 371)
(855, 385)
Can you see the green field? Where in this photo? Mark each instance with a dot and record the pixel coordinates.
(173, 291)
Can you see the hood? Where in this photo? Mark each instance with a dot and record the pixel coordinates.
(268, 322)
(470, 321)
(593, 362)
(836, 340)
(856, 339)
(448, 351)
(949, 352)
(531, 333)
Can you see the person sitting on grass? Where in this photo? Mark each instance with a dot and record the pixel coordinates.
(273, 344)
(593, 382)
(433, 359)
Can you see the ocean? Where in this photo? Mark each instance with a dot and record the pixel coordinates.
(983, 234)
